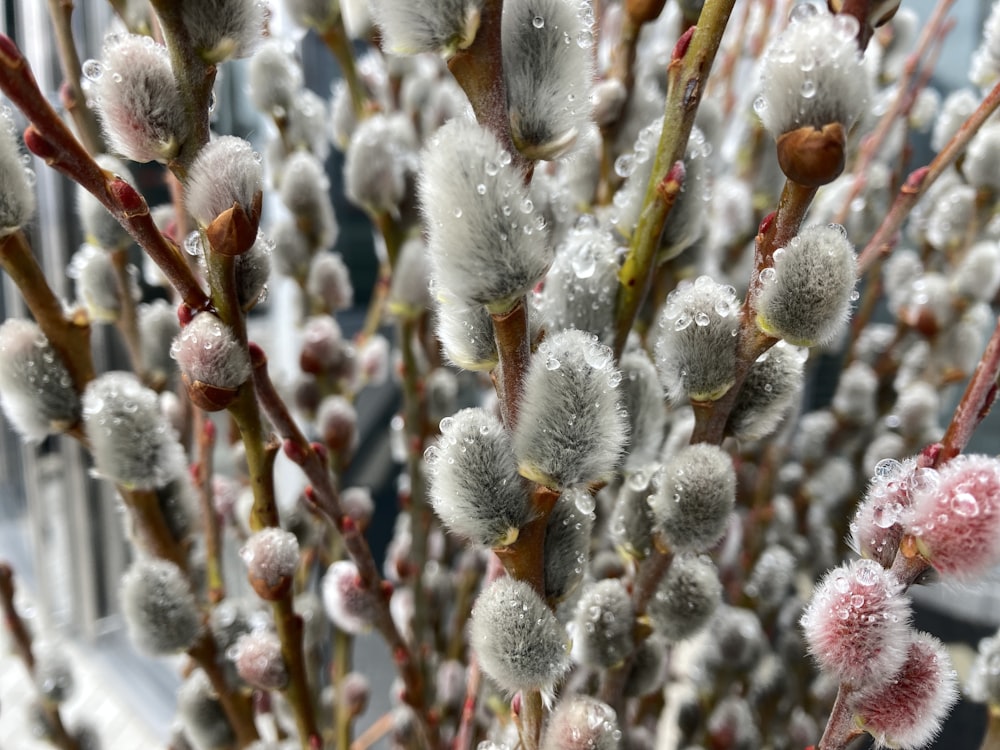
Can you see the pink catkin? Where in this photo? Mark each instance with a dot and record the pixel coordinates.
(907, 711)
(857, 624)
(957, 521)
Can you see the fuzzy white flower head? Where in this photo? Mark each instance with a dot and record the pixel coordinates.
(36, 390)
(465, 332)
(275, 77)
(571, 429)
(159, 608)
(984, 68)
(440, 26)
(136, 97)
(17, 195)
(207, 351)
(487, 242)
(381, 155)
(226, 171)
(547, 67)
(696, 343)
(812, 73)
(957, 107)
(305, 191)
(223, 29)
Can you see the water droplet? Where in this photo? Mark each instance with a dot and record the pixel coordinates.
(857, 601)
(768, 275)
(481, 189)
(93, 70)
(625, 165)
(855, 295)
(964, 505)
(887, 467)
(538, 22)
(458, 213)
(760, 106)
(551, 363)
(585, 502)
(808, 89)
(584, 263)
(682, 322)
(702, 319)
(492, 168)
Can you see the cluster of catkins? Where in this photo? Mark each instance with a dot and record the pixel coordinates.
(658, 576)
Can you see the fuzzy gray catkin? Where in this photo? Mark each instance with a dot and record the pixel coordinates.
(631, 517)
(547, 67)
(695, 351)
(488, 245)
(227, 171)
(131, 442)
(567, 543)
(36, 390)
(474, 485)
(443, 27)
(519, 642)
(580, 288)
(571, 428)
(642, 399)
(96, 283)
(580, 722)
(806, 297)
(137, 99)
(381, 158)
(17, 197)
(159, 608)
(275, 77)
(349, 605)
(158, 326)
(687, 597)
(465, 332)
(204, 720)
(832, 88)
(207, 351)
(603, 625)
(253, 269)
(773, 384)
(696, 494)
(221, 30)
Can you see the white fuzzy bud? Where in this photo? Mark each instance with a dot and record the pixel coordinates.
(687, 597)
(465, 332)
(440, 26)
(314, 14)
(159, 608)
(226, 171)
(207, 351)
(157, 326)
(36, 390)
(581, 287)
(547, 66)
(348, 604)
(275, 77)
(696, 342)
(96, 283)
(305, 191)
(474, 485)
(409, 293)
(631, 518)
(984, 69)
(812, 73)
(978, 275)
(205, 722)
(571, 428)
(329, 282)
(957, 107)
(223, 29)
(17, 194)
(696, 494)
(567, 542)
(272, 557)
(855, 398)
(131, 442)
(582, 723)
(292, 253)
(137, 99)
(380, 158)
(519, 642)
(642, 399)
(773, 384)
(806, 297)
(258, 659)
(603, 625)
(487, 243)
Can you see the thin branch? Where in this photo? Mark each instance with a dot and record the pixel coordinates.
(920, 180)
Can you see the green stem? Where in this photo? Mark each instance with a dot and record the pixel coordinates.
(342, 643)
(336, 40)
(687, 74)
(128, 321)
(991, 741)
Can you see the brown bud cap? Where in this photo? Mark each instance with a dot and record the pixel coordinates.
(644, 11)
(813, 157)
(234, 231)
(208, 397)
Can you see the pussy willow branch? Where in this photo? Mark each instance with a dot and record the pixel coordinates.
(22, 645)
(49, 138)
(128, 321)
(920, 180)
(323, 497)
(236, 705)
(89, 132)
(623, 70)
(479, 71)
(68, 335)
(195, 79)
(905, 95)
(204, 431)
(260, 455)
(689, 68)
